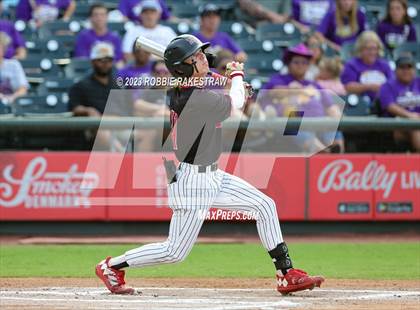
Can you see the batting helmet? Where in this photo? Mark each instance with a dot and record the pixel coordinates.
(180, 49)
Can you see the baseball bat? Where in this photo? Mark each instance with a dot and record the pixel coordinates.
(150, 46)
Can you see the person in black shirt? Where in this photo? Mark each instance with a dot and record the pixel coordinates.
(92, 95)
(198, 184)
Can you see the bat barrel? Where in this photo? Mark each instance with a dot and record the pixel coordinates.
(150, 46)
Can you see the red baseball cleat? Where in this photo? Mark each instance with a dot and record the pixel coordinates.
(297, 280)
(113, 279)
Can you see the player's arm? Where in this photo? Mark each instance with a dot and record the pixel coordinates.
(237, 89)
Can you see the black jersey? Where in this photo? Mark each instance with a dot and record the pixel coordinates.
(196, 116)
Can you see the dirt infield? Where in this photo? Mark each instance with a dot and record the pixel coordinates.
(206, 293)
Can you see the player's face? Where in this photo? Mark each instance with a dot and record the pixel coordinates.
(396, 10)
(99, 18)
(405, 73)
(201, 63)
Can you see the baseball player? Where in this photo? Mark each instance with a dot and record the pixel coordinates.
(197, 184)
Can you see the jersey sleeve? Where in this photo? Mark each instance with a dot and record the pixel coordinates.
(386, 96)
(349, 74)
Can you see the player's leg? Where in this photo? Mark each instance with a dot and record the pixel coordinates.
(237, 194)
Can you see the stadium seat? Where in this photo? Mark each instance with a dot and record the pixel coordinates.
(412, 48)
(59, 28)
(234, 29)
(38, 67)
(347, 51)
(281, 34)
(55, 85)
(184, 10)
(5, 110)
(77, 68)
(357, 105)
(178, 27)
(262, 65)
(40, 104)
(82, 11)
(117, 27)
(26, 30)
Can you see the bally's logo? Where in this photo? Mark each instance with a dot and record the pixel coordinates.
(37, 188)
(340, 175)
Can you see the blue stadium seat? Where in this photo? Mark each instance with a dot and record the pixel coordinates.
(37, 105)
(234, 28)
(184, 10)
(357, 105)
(38, 67)
(82, 11)
(117, 27)
(347, 51)
(77, 68)
(281, 34)
(59, 28)
(412, 48)
(178, 27)
(55, 85)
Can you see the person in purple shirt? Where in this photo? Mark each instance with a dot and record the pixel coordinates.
(131, 9)
(87, 38)
(45, 10)
(396, 28)
(364, 74)
(343, 24)
(141, 67)
(311, 12)
(400, 97)
(291, 92)
(16, 48)
(209, 25)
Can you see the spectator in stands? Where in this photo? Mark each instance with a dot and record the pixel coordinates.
(150, 14)
(88, 97)
(292, 92)
(16, 48)
(209, 25)
(311, 12)
(315, 46)
(131, 9)
(141, 66)
(400, 97)
(223, 57)
(329, 75)
(396, 28)
(254, 12)
(13, 82)
(151, 103)
(99, 32)
(365, 73)
(343, 24)
(42, 11)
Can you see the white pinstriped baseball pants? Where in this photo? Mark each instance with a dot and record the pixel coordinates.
(192, 196)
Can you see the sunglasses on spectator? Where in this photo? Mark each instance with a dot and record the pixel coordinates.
(106, 59)
(405, 66)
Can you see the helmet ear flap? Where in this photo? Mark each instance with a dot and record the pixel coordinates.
(184, 70)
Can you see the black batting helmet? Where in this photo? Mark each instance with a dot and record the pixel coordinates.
(180, 49)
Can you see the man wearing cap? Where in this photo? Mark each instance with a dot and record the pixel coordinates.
(209, 25)
(400, 97)
(292, 92)
(150, 14)
(131, 9)
(86, 39)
